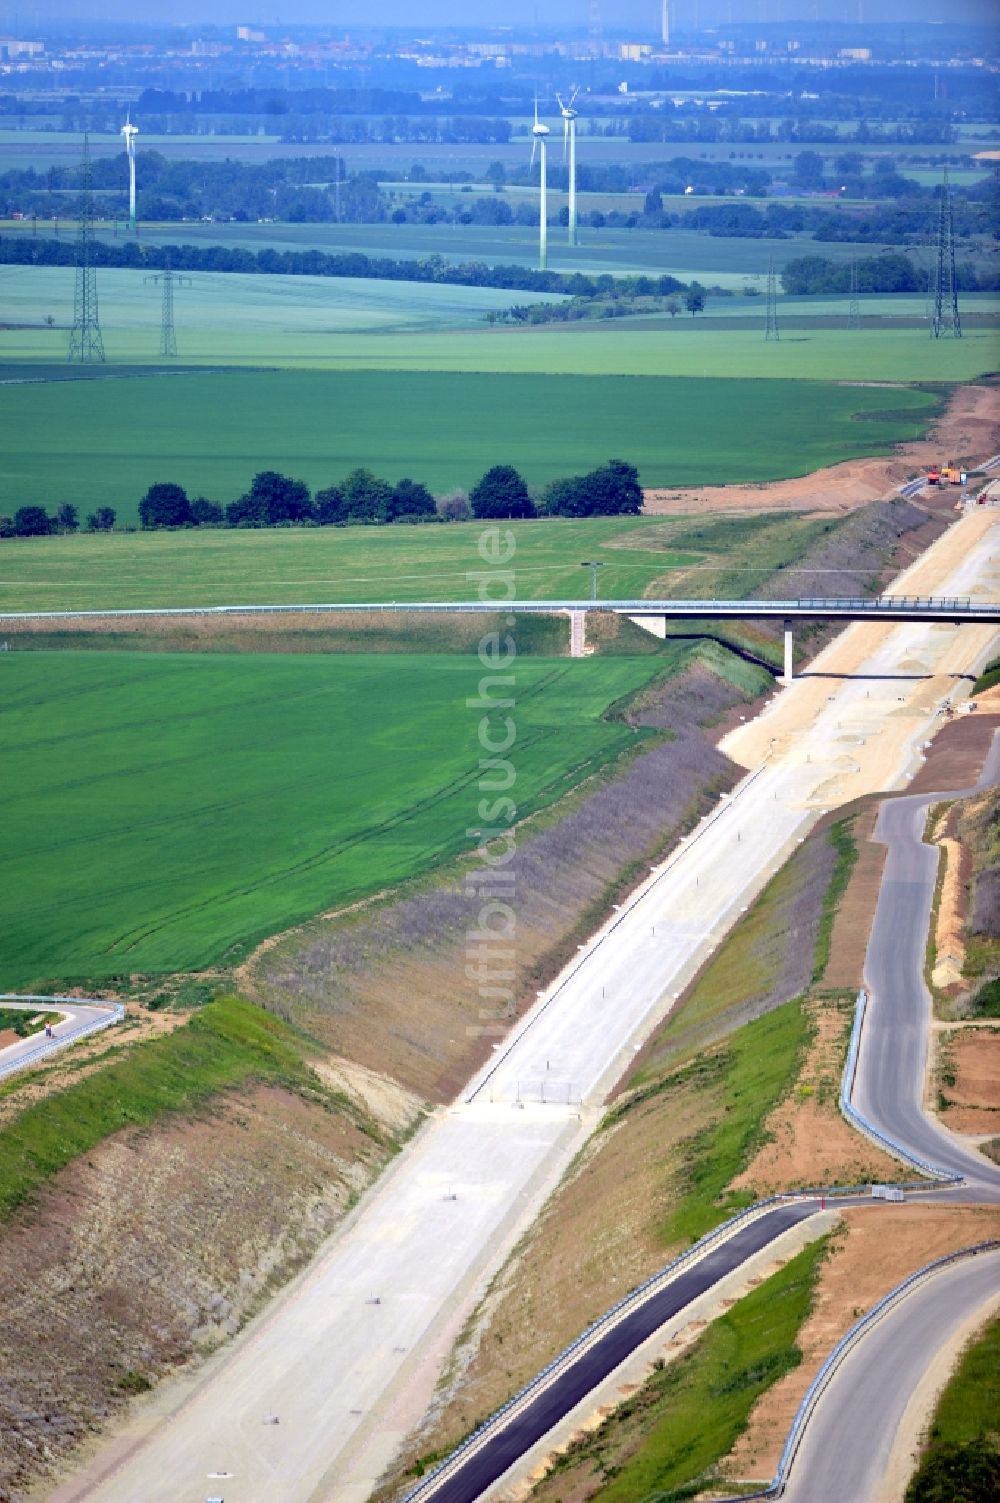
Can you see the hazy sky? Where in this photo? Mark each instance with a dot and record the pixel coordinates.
(642, 15)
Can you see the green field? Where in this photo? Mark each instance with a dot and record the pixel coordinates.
(392, 564)
(99, 441)
(326, 323)
(161, 813)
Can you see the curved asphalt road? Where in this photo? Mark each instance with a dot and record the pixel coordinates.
(889, 1084)
(500, 1451)
(848, 1443)
(76, 1020)
(888, 1089)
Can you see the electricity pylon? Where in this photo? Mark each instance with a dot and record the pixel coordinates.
(945, 320)
(168, 279)
(85, 342)
(854, 311)
(771, 310)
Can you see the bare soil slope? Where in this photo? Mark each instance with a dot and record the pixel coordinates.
(968, 429)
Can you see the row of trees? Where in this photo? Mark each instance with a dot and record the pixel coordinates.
(35, 521)
(275, 500)
(890, 272)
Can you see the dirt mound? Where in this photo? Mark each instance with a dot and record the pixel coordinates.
(968, 429)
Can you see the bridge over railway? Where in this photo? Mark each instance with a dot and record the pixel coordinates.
(652, 615)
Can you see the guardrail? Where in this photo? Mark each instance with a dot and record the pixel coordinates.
(115, 1014)
(860, 1121)
(914, 607)
(722, 1233)
(631, 1301)
(861, 1327)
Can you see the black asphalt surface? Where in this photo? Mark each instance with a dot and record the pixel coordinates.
(888, 1090)
(499, 1452)
(889, 1085)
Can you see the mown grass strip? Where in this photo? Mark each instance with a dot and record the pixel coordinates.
(841, 837)
(227, 1044)
(666, 1440)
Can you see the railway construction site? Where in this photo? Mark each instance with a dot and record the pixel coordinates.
(322, 1393)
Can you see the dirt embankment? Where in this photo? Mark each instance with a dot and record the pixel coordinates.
(387, 984)
(158, 1245)
(968, 429)
(875, 1248)
(806, 1140)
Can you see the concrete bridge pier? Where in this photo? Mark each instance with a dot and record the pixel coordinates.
(789, 672)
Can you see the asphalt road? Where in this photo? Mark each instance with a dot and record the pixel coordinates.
(76, 1019)
(889, 1084)
(848, 1444)
(489, 1461)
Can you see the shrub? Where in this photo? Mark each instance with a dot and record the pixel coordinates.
(454, 507)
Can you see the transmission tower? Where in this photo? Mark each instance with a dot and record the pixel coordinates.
(85, 342)
(595, 25)
(771, 310)
(168, 280)
(854, 311)
(945, 320)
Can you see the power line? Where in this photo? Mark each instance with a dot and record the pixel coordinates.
(945, 320)
(85, 342)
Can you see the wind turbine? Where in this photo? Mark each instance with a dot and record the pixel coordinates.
(130, 131)
(541, 134)
(569, 115)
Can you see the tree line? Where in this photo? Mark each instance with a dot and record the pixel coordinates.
(36, 522)
(275, 500)
(813, 276)
(23, 250)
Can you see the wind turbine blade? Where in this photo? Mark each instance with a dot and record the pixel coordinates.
(534, 149)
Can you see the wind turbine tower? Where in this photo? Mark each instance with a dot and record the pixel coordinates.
(130, 131)
(665, 23)
(569, 115)
(539, 147)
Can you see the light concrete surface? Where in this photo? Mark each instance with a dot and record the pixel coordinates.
(339, 1372)
(669, 1342)
(848, 1444)
(922, 1402)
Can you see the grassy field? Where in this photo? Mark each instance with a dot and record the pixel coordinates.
(96, 441)
(160, 813)
(286, 332)
(344, 564)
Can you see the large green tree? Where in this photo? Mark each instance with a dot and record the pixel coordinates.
(31, 522)
(165, 505)
(501, 493)
(272, 498)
